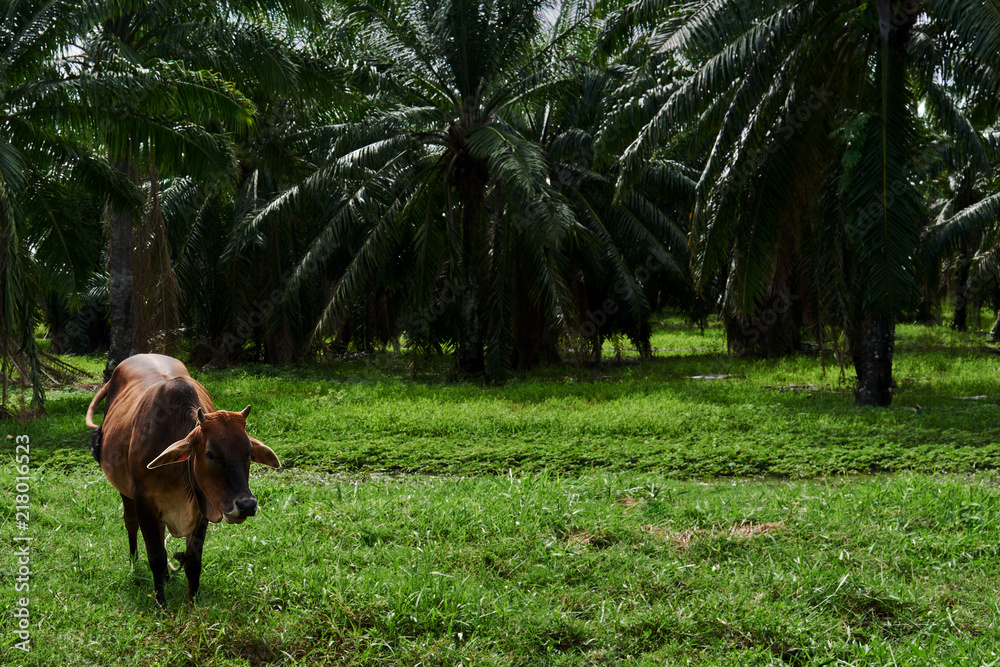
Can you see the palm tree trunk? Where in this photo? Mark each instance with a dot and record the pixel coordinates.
(537, 337)
(7, 294)
(120, 283)
(775, 330)
(471, 345)
(471, 358)
(959, 321)
(878, 334)
(925, 311)
(471, 352)
(873, 362)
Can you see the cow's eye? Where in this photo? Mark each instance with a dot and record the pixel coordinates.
(210, 456)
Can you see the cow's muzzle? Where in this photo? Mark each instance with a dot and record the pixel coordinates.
(241, 509)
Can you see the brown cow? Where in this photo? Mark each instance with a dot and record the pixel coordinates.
(177, 462)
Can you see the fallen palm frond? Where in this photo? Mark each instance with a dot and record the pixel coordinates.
(16, 369)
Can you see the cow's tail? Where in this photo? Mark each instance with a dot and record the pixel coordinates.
(102, 392)
(95, 440)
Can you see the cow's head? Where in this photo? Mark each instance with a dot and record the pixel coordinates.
(222, 452)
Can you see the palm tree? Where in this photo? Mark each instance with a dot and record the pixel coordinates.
(202, 63)
(232, 277)
(963, 238)
(233, 282)
(178, 101)
(463, 196)
(632, 257)
(48, 113)
(808, 182)
(437, 181)
(967, 227)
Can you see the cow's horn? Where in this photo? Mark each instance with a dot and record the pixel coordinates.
(201, 415)
(245, 412)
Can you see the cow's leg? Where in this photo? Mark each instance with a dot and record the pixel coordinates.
(191, 557)
(131, 524)
(152, 535)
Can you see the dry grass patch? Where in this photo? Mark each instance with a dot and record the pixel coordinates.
(752, 529)
(681, 539)
(628, 502)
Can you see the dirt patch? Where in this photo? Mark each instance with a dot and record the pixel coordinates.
(580, 538)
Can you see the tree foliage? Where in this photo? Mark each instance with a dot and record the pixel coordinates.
(506, 181)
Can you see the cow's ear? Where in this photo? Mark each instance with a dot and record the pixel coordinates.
(261, 453)
(175, 453)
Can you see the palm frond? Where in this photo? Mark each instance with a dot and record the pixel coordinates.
(964, 226)
(977, 22)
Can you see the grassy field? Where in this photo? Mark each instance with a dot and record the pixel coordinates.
(577, 515)
(787, 417)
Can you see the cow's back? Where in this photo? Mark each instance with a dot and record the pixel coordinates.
(151, 403)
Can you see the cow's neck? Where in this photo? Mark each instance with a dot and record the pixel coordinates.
(192, 482)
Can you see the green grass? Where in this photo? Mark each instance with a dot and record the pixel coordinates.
(575, 515)
(787, 417)
(532, 570)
